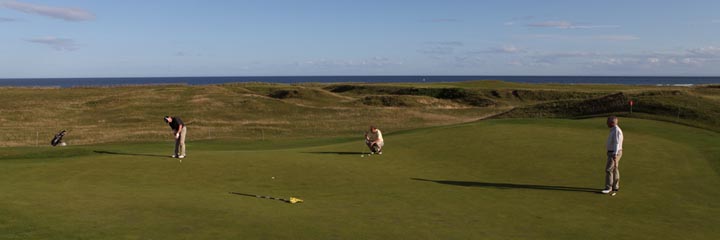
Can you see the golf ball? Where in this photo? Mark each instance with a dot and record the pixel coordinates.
(273, 177)
(180, 160)
(362, 155)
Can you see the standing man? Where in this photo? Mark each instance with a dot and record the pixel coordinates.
(179, 130)
(374, 140)
(614, 153)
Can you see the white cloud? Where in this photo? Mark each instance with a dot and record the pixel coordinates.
(689, 61)
(610, 61)
(548, 36)
(709, 52)
(60, 44)
(509, 49)
(613, 38)
(572, 54)
(551, 24)
(699, 60)
(617, 38)
(469, 61)
(445, 20)
(64, 13)
(447, 43)
(560, 57)
(440, 48)
(437, 50)
(566, 25)
(659, 60)
(517, 20)
(355, 63)
(4, 19)
(516, 63)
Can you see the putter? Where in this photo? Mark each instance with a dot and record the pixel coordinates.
(362, 151)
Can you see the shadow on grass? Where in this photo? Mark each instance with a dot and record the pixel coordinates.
(340, 153)
(131, 154)
(259, 196)
(510, 185)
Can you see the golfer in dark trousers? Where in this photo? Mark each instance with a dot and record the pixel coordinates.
(179, 130)
(614, 146)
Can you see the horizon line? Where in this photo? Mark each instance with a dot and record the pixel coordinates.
(290, 76)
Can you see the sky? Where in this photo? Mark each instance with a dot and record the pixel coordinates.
(134, 38)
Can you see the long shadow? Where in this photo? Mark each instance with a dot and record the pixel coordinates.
(340, 153)
(510, 185)
(259, 196)
(131, 154)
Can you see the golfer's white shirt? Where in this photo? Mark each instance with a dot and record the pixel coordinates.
(615, 140)
(375, 136)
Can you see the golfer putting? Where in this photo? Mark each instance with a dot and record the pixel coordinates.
(179, 130)
(614, 153)
(374, 140)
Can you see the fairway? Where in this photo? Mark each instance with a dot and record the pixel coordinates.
(493, 179)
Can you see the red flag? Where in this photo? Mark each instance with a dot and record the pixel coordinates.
(632, 103)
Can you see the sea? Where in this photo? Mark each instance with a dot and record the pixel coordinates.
(90, 82)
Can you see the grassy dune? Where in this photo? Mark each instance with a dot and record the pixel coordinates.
(30, 116)
(232, 111)
(494, 179)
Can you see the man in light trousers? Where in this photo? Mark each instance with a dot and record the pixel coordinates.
(179, 130)
(614, 153)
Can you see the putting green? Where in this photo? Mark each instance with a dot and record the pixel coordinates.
(497, 179)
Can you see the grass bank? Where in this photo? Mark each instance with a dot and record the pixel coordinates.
(244, 111)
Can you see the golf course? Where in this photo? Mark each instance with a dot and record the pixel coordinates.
(467, 160)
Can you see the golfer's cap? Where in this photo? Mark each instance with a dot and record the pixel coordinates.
(165, 118)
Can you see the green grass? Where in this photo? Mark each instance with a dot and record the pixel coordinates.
(494, 179)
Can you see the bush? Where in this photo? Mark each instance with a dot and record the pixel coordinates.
(283, 94)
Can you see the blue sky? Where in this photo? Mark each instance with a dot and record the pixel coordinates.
(133, 38)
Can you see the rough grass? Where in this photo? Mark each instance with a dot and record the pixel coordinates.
(694, 107)
(483, 180)
(31, 116)
(233, 111)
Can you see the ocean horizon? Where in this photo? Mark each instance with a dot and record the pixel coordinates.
(120, 81)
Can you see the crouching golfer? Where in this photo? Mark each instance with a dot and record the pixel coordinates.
(179, 130)
(374, 140)
(614, 152)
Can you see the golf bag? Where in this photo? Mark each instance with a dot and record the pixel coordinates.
(58, 138)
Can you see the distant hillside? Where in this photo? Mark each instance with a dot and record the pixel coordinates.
(30, 116)
(697, 107)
